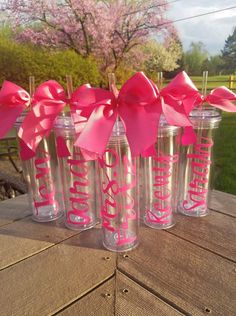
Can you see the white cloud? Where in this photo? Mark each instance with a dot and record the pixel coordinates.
(212, 30)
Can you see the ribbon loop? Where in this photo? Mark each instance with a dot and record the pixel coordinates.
(48, 101)
(179, 99)
(222, 98)
(140, 112)
(13, 100)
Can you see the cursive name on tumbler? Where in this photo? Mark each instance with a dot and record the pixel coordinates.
(200, 166)
(117, 215)
(79, 198)
(46, 189)
(162, 207)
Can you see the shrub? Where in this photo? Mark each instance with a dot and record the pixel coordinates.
(18, 62)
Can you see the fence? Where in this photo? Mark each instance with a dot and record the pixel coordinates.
(214, 82)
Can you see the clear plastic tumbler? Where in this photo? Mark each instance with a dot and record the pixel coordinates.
(120, 193)
(41, 172)
(161, 178)
(196, 164)
(78, 178)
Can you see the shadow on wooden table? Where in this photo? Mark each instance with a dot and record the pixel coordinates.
(53, 233)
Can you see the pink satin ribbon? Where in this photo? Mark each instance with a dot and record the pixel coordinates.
(48, 101)
(139, 104)
(13, 100)
(221, 98)
(179, 95)
(102, 108)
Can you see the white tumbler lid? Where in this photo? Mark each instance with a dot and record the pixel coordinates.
(164, 129)
(205, 118)
(64, 122)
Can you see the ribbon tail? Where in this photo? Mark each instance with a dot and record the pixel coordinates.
(96, 133)
(37, 124)
(175, 115)
(8, 117)
(224, 105)
(150, 152)
(141, 128)
(222, 98)
(25, 152)
(189, 136)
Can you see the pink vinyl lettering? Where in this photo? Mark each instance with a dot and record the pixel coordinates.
(79, 199)
(115, 192)
(200, 166)
(162, 207)
(47, 189)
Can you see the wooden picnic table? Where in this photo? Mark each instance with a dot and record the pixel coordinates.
(47, 269)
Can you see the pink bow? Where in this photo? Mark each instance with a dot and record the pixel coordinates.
(177, 99)
(79, 116)
(13, 100)
(139, 105)
(221, 98)
(181, 95)
(48, 101)
(102, 109)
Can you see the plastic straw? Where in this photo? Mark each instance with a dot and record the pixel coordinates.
(69, 85)
(31, 88)
(160, 80)
(204, 83)
(113, 88)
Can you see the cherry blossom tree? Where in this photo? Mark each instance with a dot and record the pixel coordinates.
(109, 30)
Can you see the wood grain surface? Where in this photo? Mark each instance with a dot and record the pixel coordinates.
(187, 270)
(223, 202)
(132, 299)
(100, 302)
(55, 277)
(190, 277)
(14, 209)
(22, 239)
(215, 232)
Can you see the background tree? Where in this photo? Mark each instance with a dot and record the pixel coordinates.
(159, 57)
(109, 30)
(214, 65)
(229, 53)
(194, 58)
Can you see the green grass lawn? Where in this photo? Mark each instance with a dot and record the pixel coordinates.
(225, 155)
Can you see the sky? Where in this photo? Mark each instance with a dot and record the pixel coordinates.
(212, 29)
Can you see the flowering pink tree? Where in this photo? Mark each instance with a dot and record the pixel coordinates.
(109, 30)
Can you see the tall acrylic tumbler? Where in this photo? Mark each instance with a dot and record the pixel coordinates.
(42, 175)
(196, 164)
(78, 178)
(161, 177)
(120, 193)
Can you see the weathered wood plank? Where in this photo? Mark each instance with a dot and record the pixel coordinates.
(99, 302)
(133, 300)
(45, 283)
(25, 238)
(223, 202)
(216, 232)
(14, 209)
(186, 275)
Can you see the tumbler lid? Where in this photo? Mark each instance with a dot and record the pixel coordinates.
(64, 122)
(205, 118)
(165, 129)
